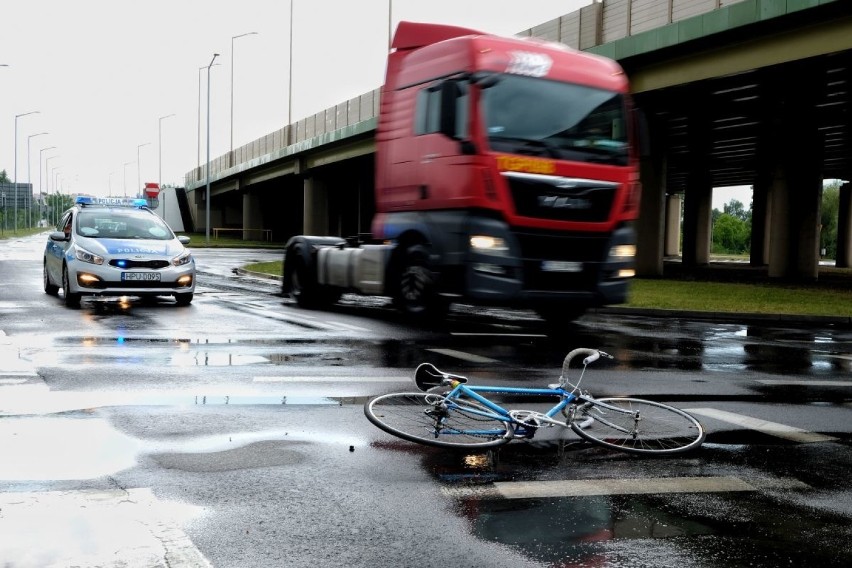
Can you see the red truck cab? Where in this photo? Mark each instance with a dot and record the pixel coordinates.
(508, 162)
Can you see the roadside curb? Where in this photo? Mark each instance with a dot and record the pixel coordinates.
(726, 317)
(731, 317)
(261, 275)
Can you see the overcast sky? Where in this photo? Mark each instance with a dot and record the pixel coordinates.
(102, 73)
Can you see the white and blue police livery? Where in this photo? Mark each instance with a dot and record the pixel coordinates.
(116, 247)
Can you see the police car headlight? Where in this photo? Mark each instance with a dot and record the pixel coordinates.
(85, 256)
(183, 259)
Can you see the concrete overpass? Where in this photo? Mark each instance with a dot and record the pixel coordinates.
(733, 92)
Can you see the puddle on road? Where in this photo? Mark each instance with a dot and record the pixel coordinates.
(686, 529)
(62, 448)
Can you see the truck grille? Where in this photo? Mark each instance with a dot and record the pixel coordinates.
(559, 198)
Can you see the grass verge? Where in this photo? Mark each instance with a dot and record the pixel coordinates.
(729, 297)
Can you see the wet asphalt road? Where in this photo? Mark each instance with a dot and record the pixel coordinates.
(231, 433)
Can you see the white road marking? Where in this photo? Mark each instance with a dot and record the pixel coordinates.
(764, 426)
(629, 486)
(330, 379)
(469, 357)
(11, 381)
(118, 527)
(805, 383)
(495, 334)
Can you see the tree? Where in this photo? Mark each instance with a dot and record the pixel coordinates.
(828, 218)
(4, 177)
(732, 229)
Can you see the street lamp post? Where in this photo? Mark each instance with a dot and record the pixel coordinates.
(17, 116)
(160, 149)
(200, 69)
(207, 209)
(30, 200)
(124, 179)
(160, 162)
(40, 156)
(290, 82)
(139, 168)
(56, 208)
(46, 166)
(230, 156)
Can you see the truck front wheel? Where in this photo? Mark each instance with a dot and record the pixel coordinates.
(416, 286)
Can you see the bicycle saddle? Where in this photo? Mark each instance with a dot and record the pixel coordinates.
(428, 376)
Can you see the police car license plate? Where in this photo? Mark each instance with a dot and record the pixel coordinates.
(561, 266)
(140, 276)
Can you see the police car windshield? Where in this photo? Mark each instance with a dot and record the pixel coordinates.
(122, 224)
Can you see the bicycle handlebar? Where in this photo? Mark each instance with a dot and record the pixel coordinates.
(592, 355)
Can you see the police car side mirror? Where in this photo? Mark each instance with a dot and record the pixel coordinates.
(58, 236)
(183, 239)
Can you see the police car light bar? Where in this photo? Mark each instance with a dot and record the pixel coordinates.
(86, 200)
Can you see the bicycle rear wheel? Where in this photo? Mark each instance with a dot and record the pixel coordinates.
(638, 426)
(425, 418)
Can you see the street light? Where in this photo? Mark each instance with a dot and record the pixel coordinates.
(17, 116)
(138, 168)
(30, 200)
(47, 165)
(160, 148)
(40, 156)
(207, 216)
(230, 156)
(125, 176)
(200, 69)
(290, 81)
(56, 208)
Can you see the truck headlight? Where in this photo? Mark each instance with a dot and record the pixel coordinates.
(85, 256)
(622, 251)
(488, 245)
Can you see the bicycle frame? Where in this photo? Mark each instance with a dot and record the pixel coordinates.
(500, 413)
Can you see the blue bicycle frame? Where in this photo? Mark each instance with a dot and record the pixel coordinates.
(500, 413)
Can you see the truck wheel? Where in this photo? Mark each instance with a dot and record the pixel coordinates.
(416, 286)
(303, 286)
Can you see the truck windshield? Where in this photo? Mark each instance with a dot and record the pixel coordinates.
(526, 115)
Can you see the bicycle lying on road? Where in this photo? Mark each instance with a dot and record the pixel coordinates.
(451, 414)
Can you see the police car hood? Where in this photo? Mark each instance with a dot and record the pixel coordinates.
(131, 247)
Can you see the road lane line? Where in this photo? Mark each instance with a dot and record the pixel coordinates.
(497, 334)
(330, 379)
(783, 382)
(764, 426)
(469, 357)
(627, 486)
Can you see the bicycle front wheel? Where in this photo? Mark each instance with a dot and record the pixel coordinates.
(637, 426)
(430, 419)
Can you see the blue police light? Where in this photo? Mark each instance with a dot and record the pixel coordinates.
(83, 200)
(122, 263)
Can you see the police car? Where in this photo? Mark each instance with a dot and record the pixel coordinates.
(116, 247)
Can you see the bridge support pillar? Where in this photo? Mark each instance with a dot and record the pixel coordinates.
(650, 229)
(252, 214)
(761, 221)
(316, 207)
(697, 223)
(795, 202)
(844, 227)
(673, 225)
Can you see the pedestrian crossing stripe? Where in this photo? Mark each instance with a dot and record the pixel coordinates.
(626, 486)
(764, 426)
